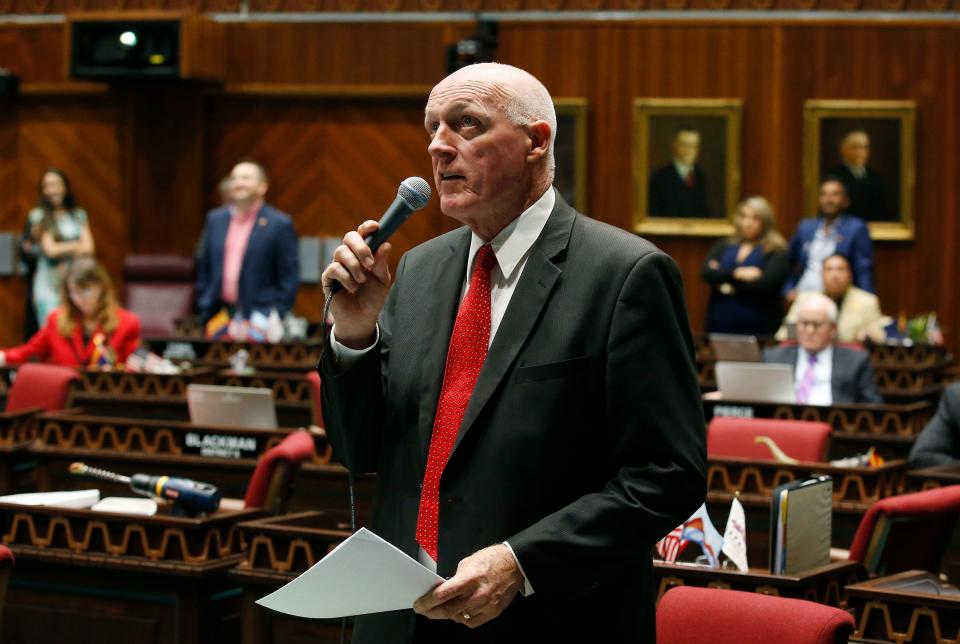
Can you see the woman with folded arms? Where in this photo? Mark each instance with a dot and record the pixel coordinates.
(746, 272)
(88, 329)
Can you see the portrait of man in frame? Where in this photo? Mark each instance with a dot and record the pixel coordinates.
(686, 165)
(570, 151)
(869, 146)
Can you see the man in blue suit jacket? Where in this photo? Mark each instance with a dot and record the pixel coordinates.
(832, 232)
(248, 257)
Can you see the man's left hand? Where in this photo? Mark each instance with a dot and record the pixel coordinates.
(485, 584)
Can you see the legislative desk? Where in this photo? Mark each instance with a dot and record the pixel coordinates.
(903, 374)
(299, 356)
(279, 549)
(221, 455)
(83, 576)
(17, 432)
(824, 585)
(892, 429)
(164, 396)
(855, 489)
(912, 606)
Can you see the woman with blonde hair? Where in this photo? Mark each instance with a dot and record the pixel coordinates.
(746, 273)
(88, 329)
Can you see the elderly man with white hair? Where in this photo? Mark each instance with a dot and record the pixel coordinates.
(824, 373)
(524, 388)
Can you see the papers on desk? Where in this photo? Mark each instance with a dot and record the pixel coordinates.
(77, 499)
(364, 574)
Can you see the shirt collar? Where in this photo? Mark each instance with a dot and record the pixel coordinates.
(513, 243)
(682, 168)
(246, 214)
(823, 355)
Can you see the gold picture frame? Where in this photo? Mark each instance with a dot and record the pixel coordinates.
(570, 151)
(884, 194)
(662, 204)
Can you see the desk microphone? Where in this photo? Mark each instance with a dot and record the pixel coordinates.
(412, 195)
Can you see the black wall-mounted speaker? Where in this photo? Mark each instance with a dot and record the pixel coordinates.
(125, 49)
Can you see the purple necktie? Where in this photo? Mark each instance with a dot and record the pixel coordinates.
(806, 384)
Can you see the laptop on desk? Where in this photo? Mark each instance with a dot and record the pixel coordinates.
(735, 348)
(756, 382)
(239, 406)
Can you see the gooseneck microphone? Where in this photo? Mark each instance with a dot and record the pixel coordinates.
(412, 195)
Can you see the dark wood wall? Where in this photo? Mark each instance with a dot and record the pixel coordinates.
(334, 111)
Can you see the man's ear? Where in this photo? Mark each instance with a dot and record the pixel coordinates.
(539, 134)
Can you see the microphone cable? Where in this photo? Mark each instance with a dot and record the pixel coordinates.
(324, 334)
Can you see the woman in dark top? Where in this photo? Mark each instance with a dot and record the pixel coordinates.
(746, 272)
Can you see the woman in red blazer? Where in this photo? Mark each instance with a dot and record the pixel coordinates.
(89, 329)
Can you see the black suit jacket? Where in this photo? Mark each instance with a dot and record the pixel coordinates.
(671, 196)
(868, 196)
(939, 442)
(852, 377)
(582, 445)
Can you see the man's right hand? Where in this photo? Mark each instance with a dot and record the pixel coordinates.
(366, 280)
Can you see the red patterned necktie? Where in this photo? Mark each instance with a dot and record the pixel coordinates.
(468, 349)
(690, 179)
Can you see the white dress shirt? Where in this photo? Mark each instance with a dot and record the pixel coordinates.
(512, 248)
(821, 392)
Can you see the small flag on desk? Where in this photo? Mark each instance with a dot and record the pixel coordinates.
(216, 328)
(699, 529)
(735, 536)
(670, 546)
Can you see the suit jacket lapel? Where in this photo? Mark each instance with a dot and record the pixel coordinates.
(256, 235)
(441, 312)
(536, 283)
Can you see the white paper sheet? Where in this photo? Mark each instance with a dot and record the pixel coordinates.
(76, 499)
(364, 574)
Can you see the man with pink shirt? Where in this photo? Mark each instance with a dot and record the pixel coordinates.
(248, 257)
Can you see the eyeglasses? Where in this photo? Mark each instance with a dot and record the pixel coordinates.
(816, 325)
(81, 291)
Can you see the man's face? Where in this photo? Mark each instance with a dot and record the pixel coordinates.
(833, 198)
(855, 149)
(480, 165)
(686, 146)
(246, 183)
(815, 331)
(836, 277)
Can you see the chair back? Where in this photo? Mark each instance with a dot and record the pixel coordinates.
(690, 615)
(6, 565)
(735, 437)
(273, 476)
(907, 532)
(41, 385)
(314, 379)
(159, 289)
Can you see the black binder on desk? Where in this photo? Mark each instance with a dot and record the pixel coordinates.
(800, 525)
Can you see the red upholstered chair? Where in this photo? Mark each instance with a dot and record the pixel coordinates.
(159, 289)
(314, 379)
(6, 564)
(735, 438)
(41, 385)
(907, 532)
(692, 615)
(269, 486)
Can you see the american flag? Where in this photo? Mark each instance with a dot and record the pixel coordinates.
(670, 546)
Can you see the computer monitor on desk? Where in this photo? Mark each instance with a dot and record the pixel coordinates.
(239, 406)
(756, 382)
(735, 348)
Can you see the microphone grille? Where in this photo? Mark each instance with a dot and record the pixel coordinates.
(415, 191)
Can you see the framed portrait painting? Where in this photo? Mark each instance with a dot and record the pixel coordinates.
(686, 165)
(570, 151)
(870, 147)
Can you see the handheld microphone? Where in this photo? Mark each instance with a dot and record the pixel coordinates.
(412, 195)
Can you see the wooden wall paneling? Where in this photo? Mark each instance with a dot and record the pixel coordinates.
(891, 62)
(332, 163)
(32, 51)
(167, 170)
(11, 219)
